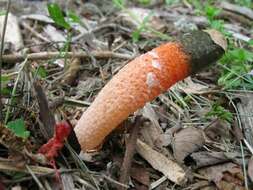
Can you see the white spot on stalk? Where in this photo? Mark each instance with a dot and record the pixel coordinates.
(156, 64)
(151, 81)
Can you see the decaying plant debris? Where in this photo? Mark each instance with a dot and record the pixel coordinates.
(198, 135)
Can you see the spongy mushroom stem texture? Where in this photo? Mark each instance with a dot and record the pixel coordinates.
(142, 80)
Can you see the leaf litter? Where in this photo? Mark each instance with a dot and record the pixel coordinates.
(177, 140)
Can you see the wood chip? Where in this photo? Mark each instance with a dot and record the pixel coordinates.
(161, 163)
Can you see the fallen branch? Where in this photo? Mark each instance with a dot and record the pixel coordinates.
(12, 58)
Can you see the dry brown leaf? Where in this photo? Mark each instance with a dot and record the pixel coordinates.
(155, 137)
(218, 38)
(217, 130)
(153, 133)
(205, 158)
(71, 72)
(161, 163)
(237, 131)
(250, 169)
(141, 175)
(224, 185)
(226, 176)
(186, 141)
(190, 87)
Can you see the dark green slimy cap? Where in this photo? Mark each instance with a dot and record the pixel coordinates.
(203, 47)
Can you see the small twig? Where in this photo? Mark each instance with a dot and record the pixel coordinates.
(12, 58)
(1, 56)
(130, 150)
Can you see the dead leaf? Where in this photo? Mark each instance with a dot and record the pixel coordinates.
(153, 133)
(226, 176)
(186, 142)
(237, 131)
(54, 35)
(161, 163)
(155, 137)
(71, 72)
(190, 87)
(88, 85)
(224, 185)
(141, 175)
(12, 34)
(217, 130)
(250, 169)
(204, 158)
(218, 38)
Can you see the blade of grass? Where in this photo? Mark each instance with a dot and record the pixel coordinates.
(22, 66)
(82, 165)
(1, 55)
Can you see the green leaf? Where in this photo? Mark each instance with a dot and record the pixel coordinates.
(218, 25)
(238, 55)
(18, 128)
(6, 91)
(136, 33)
(42, 72)
(119, 3)
(136, 36)
(72, 17)
(171, 2)
(5, 78)
(144, 2)
(56, 14)
(211, 12)
(220, 112)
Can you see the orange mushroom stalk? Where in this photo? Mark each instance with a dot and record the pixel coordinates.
(143, 79)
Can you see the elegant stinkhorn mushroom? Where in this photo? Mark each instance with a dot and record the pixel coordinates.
(143, 79)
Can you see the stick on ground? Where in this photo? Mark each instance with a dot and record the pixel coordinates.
(12, 58)
(130, 151)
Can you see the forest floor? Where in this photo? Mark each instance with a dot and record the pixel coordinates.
(197, 135)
